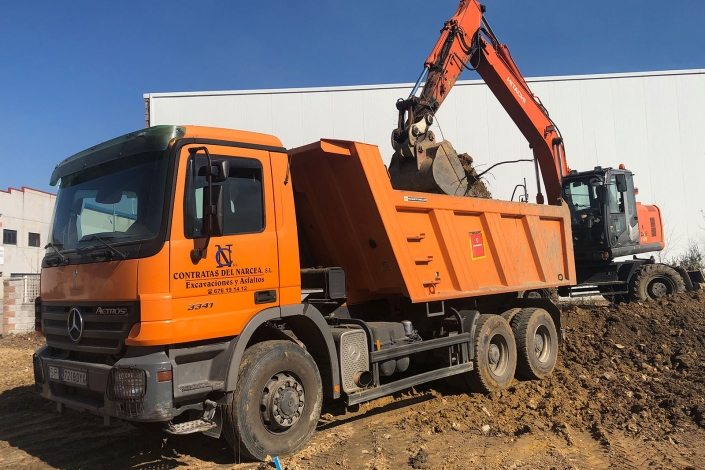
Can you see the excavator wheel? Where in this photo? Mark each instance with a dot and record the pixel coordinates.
(537, 343)
(653, 281)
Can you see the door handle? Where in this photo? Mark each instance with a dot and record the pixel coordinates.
(265, 297)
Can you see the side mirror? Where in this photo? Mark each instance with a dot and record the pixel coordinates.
(220, 170)
(621, 180)
(213, 212)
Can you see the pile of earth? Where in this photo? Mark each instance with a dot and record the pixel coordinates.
(634, 368)
(476, 187)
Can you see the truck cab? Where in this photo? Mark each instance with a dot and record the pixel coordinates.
(119, 279)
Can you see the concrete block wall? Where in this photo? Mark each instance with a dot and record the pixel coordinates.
(18, 317)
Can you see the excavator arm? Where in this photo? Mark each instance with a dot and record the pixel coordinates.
(467, 42)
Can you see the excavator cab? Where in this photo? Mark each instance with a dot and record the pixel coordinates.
(603, 212)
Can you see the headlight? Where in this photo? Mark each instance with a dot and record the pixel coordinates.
(126, 384)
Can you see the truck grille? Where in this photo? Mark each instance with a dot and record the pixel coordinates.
(102, 334)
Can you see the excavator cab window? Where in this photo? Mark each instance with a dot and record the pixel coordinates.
(585, 198)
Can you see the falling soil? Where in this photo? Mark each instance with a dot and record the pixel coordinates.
(628, 392)
(476, 187)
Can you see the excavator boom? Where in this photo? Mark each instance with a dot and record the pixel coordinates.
(467, 42)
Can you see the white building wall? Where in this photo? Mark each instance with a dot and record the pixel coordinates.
(652, 122)
(24, 210)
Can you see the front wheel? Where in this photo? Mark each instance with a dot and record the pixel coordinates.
(277, 402)
(653, 281)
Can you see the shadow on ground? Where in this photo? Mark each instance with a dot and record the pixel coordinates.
(80, 440)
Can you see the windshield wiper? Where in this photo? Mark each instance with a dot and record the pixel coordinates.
(102, 240)
(64, 260)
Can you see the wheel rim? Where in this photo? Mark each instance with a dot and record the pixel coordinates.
(498, 355)
(542, 344)
(282, 402)
(660, 287)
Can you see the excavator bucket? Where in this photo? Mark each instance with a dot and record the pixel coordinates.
(441, 171)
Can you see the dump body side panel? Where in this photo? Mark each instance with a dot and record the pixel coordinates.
(425, 246)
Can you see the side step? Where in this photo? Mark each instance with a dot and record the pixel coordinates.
(382, 390)
(190, 427)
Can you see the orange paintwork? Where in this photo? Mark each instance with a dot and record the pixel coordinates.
(650, 226)
(114, 280)
(350, 203)
(269, 259)
(418, 244)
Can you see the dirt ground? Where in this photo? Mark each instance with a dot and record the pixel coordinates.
(628, 392)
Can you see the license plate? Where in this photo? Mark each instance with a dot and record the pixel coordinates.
(53, 372)
(76, 377)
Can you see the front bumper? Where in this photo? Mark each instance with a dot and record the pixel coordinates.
(155, 404)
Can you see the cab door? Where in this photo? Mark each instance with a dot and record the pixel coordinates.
(623, 223)
(238, 273)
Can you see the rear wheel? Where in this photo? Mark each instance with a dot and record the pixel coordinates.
(495, 357)
(537, 343)
(277, 402)
(653, 281)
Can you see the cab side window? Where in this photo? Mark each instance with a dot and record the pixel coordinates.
(616, 198)
(243, 196)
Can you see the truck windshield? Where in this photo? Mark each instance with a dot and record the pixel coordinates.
(118, 201)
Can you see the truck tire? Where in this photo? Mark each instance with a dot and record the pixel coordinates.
(277, 402)
(537, 343)
(653, 281)
(509, 314)
(495, 356)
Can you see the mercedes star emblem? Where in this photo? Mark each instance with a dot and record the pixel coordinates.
(75, 325)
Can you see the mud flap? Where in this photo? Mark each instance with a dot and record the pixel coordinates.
(685, 275)
(218, 420)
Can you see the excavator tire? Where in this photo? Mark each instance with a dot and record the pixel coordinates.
(495, 357)
(653, 281)
(537, 343)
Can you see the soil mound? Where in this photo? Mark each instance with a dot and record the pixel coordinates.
(635, 367)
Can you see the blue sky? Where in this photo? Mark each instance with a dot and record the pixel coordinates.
(72, 73)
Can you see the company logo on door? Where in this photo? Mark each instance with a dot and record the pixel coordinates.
(224, 256)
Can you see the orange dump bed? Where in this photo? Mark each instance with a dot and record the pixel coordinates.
(425, 246)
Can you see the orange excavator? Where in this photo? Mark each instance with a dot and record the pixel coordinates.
(607, 221)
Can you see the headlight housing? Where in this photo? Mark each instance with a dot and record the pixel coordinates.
(126, 384)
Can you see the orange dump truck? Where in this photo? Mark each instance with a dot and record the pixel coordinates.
(209, 280)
